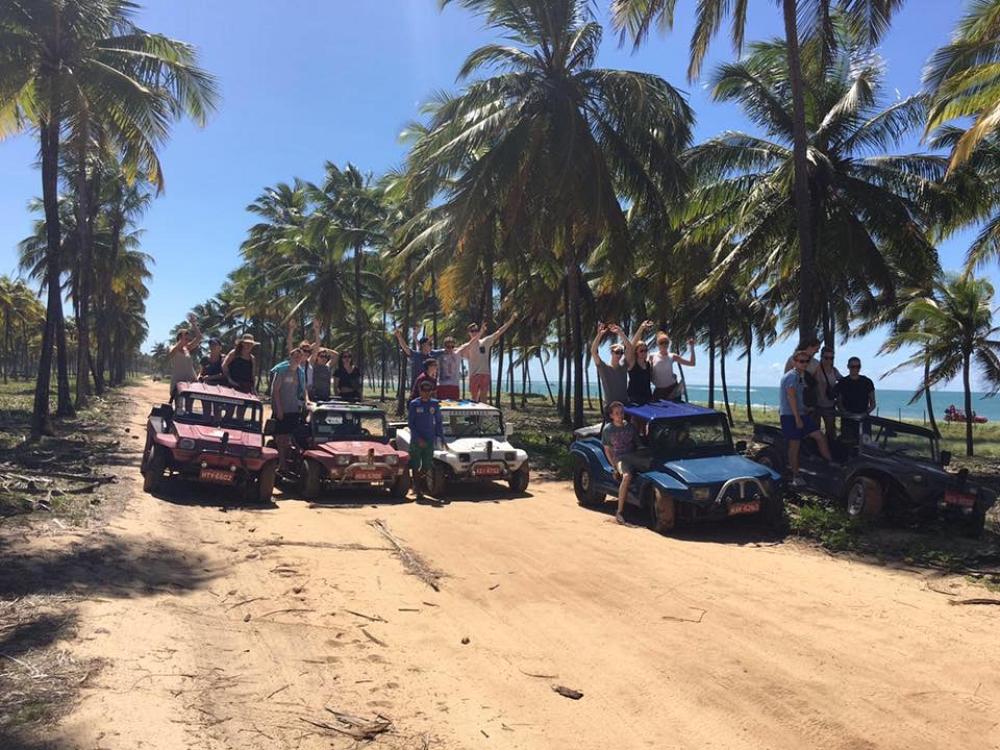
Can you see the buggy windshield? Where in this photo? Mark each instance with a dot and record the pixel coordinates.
(898, 439)
(462, 424)
(217, 411)
(686, 438)
(345, 425)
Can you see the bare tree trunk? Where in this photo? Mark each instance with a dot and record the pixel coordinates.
(711, 367)
(434, 308)
(545, 376)
(722, 376)
(749, 333)
(576, 345)
(927, 396)
(803, 203)
(524, 379)
(385, 355)
(967, 386)
(361, 320)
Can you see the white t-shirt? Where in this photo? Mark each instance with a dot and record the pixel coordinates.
(478, 354)
(662, 370)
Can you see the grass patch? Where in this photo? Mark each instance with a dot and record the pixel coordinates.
(829, 526)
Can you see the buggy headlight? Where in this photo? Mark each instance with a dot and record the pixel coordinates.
(343, 460)
(186, 444)
(510, 456)
(253, 453)
(701, 494)
(392, 459)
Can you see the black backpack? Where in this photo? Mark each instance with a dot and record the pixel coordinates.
(810, 395)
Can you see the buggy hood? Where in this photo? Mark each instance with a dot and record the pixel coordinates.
(714, 470)
(210, 434)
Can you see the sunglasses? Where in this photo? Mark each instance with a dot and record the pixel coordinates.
(802, 361)
(854, 367)
(827, 356)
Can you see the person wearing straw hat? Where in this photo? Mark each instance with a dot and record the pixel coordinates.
(240, 366)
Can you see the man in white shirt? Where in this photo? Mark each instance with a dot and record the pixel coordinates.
(477, 351)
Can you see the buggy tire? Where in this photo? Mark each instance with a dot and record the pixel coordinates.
(312, 479)
(662, 511)
(519, 479)
(773, 513)
(586, 492)
(437, 480)
(864, 498)
(975, 524)
(265, 482)
(155, 466)
(401, 487)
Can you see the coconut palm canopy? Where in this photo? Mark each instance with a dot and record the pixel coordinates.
(541, 184)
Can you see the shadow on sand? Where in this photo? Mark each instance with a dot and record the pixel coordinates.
(479, 492)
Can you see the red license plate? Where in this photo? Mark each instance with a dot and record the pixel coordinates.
(960, 499)
(368, 475)
(487, 471)
(216, 475)
(736, 509)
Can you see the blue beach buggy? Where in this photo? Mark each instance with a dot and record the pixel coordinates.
(694, 471)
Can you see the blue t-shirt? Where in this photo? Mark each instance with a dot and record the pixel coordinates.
(791, 379)
(284, 365)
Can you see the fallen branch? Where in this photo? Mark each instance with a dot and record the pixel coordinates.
(320, 545)
(376, 618)
(246, 601)
(974, 601)
(568, 692)
(412, 562)
(542, 676)
(701, 616)
(354, 726)
(373, 639)
(283, 611)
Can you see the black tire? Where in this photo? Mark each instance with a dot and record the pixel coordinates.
(155, 467)
(864, 498)
(773, 512)
(587, 494)
(975, 524)
(519, 479)
(265, 482)
(437, 480)
(147, 449)
(312, 479)
(662, 511)
(401, 487)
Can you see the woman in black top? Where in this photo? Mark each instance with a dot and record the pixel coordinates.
(240, 365)
(348, 378)
(639, 382)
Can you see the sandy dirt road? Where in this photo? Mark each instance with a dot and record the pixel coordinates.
(226, 629)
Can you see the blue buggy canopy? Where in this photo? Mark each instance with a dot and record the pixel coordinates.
(667, 410)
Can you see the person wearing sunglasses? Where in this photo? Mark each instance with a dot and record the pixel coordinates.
(640, 388)
(613, 375)
(827, 376)
(855, 395)
(347, 379)
(477, 351)
(796, 423)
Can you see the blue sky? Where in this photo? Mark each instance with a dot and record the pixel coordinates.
(305, 81)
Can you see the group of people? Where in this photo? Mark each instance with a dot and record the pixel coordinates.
(814, 391)
(634, 375)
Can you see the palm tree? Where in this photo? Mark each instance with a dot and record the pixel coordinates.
(70, 65)
(869, 206)
(546, 145)
(962, 81)
(865, 20)
(953, 329)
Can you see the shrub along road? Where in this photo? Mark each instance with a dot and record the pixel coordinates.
(242, 628)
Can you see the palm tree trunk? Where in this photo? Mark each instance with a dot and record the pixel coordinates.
(85, 270)
(749, 333)
(384, 352)
(545, 376)
(576, 344)
(510, 376)
(722, 376)
(586, 380)
(927, 396)
(360, 321)
(807, 256)
(711, 367)
(967, 386)
(49, 132)
(524, 379)
(434, 308)
(498, 396)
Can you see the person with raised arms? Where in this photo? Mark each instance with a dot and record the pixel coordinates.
(477, 351)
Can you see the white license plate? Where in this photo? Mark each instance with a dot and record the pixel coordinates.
(487, 471)
(736, 509)
(219, 476)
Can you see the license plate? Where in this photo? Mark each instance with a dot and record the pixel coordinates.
(216, 475)
(486, 471)
(368, 475)
(736, 509)
(960, 499)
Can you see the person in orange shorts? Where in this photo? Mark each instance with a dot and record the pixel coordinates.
(477, 351)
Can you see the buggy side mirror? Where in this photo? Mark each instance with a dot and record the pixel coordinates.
(164, 411)
(741, 446)
(508, 429)
(945, 458)
(270, 426)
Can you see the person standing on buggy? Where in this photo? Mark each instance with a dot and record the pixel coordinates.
(240, 366)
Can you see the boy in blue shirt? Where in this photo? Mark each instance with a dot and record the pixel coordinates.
(426, 428)
(796, 424)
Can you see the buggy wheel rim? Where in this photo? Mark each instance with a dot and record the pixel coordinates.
(585, 480)
(856, 499)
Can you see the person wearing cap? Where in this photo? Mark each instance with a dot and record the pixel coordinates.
(429, 375)
(240, 366)
(211, 366)
(614, 376)
(477, 351)
(426, 429)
